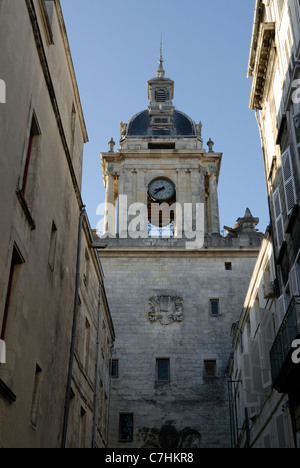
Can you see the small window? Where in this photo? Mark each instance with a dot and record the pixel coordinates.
(214, 307)
(126, 428)
(210, 367)
(162, 370)
(228, 266)
(114, 369)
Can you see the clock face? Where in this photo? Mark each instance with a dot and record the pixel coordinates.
(161, 190)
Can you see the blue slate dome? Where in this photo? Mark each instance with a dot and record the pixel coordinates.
(139, 126)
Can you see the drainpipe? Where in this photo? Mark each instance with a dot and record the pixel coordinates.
(97, 384)
(75, 315)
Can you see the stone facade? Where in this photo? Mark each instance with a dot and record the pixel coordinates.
(191, 401)
(42, 135)
(268, 422)
(172, 306)
(273, 403)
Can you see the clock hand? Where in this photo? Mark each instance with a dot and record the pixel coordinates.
(159, 190)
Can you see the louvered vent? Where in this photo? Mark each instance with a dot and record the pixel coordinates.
(160, 95)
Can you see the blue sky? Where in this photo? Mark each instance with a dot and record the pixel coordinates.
(115, 48)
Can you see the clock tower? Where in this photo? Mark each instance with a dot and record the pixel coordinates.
(174, 284)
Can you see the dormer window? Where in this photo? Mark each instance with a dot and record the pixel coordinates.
(160, 95)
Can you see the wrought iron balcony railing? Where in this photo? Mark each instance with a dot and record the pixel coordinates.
(287, 333)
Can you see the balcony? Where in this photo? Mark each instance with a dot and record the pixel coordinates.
(284, 372)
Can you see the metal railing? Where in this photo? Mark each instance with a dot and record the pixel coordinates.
(287, 333)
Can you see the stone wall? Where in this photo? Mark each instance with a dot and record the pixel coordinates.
(192, 408)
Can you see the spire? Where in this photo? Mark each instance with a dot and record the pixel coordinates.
(161, 71)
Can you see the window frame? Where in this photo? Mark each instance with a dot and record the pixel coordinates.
(158, 361)
(212, 301)
(127, 440)
(210, 361)
(116, 374)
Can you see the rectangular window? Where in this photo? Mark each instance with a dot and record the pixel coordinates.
(210, 368)
(52, 249)
(228, 266)
(47, 8)
(114, 369)
(86, 348)
(16, 261)
(86, 269)
(214, 306)
(162, 370)
(30, 156)
(82, 428)
(126, 427)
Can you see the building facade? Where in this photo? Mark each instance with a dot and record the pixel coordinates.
(53, 308)
(274, 69)
(174, 283)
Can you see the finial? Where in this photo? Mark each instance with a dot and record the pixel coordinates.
(111, 145)
(161, 71)
(210, 145)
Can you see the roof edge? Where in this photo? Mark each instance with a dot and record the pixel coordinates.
(252, 52)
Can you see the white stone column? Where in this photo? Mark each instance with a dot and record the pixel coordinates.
(109, 216)
(201, 181)
(214, 205)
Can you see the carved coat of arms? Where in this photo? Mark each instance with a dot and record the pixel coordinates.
(165, 309)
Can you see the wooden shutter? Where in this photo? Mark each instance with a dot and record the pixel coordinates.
(278, 218)
(250, 399)
(255, 370)
(295, 280)
(288, 180)
(266, 338)
(281, 309)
